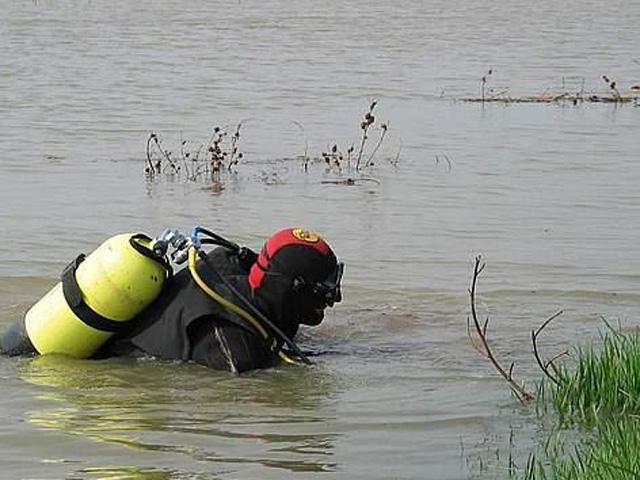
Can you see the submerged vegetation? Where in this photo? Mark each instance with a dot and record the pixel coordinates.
(568, 92)
(608, 453)
(219, 157)
(594, 404)
(221, 153)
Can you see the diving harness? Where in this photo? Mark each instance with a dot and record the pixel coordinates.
(190, 248)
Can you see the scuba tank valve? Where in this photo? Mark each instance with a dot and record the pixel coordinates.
(174, 239)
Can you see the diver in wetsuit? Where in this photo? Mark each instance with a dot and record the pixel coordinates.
(293, 279)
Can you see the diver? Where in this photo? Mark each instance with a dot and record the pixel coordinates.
(231, 309)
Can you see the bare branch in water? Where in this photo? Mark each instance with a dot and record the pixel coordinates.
(150, 168)
(551, 363)
(519, 390)
(165, 154)
(156, 167)
(447, 160)
(534, 341)
(384, 127)
(351, 181)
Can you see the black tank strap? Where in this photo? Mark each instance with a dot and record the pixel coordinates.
(148, 252)
(73, 296)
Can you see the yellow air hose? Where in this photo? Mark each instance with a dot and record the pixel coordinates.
(230, 305)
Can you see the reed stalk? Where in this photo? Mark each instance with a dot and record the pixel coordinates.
(600, 398)
(603, 384)
(609, 453)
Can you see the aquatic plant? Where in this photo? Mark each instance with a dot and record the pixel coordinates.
(221, 153)
(612, 86)
(483, 83)
(600, 395)
(347, 161)
(609, 453)
(154, 161)
(366, 123)
(594, 403)
(340, 160)
(604, 383)
(556, 95)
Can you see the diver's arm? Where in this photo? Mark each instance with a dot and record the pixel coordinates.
(14, 340)
(222, 345)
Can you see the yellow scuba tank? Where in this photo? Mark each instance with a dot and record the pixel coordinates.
(97, 296)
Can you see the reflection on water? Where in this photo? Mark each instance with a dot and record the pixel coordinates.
(132, 473)
(188, 410)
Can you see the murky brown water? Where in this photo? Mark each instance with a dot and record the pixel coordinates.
(547, 193)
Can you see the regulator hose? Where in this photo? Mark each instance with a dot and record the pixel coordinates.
(218, 240)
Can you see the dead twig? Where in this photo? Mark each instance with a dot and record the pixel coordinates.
(447, 160)
(351, 181)
(151, 167)
(481, 330)
(153, 137)
(551, 363)
(384, 127)
(534, 341)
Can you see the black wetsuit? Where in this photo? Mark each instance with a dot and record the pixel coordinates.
(184, 323)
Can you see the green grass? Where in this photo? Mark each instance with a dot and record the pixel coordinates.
(611, 452)
(603, 384)
(600, 398)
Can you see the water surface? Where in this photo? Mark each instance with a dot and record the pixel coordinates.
(548, 195)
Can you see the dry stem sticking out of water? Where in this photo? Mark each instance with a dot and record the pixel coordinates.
(338, 160)
(222, 153)
(484, 348)
(209, 161)
(544, 366)
(369, 119)
(561, 95)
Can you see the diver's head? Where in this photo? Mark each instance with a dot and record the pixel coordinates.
(298, 274)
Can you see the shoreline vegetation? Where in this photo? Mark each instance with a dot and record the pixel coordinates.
(592, 404)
